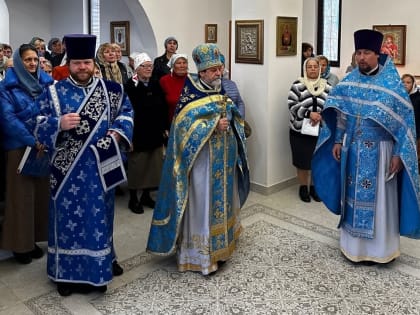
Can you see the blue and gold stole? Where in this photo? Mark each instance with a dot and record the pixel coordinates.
(198, 112)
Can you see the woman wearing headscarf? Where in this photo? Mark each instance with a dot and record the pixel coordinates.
(150, 126)
(307, 51)
(111, 70)
(26, 212)
(173, 82)
(411, 87)
(124, 69)
(306, 100)
(353, 64)
(161, 63)
(107, 60)
(326, 73)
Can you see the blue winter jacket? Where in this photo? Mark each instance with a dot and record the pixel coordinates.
(18, 111)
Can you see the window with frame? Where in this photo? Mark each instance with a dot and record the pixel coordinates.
(329, 30)
(94, 19)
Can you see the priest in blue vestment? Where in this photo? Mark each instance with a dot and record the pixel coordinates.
(84, 123)
(365, 162)
(205, 178)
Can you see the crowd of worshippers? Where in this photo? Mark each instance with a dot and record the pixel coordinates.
(51, 100)
(67, 110)
(161, 82)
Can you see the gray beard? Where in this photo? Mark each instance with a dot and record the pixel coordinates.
(216, 83)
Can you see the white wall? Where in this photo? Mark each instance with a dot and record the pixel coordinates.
(43, 18)
(376, 12)
(142, 37)
(28, 19)
(66, 17)
(358, 14)
(4, 22)
(264, 89)
(309, 22)
(185, 19)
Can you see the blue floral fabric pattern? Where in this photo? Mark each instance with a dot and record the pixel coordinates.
(376, 108)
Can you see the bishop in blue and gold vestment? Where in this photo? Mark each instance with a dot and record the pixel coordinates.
(205, 177)
(86, 165)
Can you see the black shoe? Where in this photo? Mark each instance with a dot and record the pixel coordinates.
(313, 194)
(117, 269)
(37, 252)
(102, 288)
(220, 263)
(363, 263)
(304, 194)
(64, 289)
(119, 191)
(89, 288)
(132, 204)
(135, 206)
(147, 201)
(23, 258)
(359, 263)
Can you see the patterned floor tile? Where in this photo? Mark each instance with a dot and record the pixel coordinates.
(275, 270)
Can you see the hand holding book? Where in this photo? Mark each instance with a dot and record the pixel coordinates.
(41, 150)
(35, 162)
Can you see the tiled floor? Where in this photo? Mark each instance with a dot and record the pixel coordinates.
(25, 289)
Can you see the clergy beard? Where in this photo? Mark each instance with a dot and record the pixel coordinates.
(82, 77)
(216, 83)
(365, 68)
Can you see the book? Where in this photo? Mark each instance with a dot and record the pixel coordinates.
(390, 176)
(34, 164)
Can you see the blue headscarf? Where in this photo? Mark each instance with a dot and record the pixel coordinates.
(326, 73)
(28, 81)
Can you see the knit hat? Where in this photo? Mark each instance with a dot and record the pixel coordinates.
(80, 46)
(206, 56)
(52, 42)
(140, 59)
(368, 39)
(169, 39)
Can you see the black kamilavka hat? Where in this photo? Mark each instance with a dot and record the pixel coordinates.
(368, 39)
(80, 46)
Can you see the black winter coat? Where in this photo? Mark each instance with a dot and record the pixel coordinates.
(160, 67)
(150, 115)
(415, 100)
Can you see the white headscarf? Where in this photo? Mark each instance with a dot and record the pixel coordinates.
(414, 88)
(315, 86)
(134, 54)
(140, 59)
(174, 58)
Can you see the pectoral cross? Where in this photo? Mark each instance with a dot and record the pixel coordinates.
(223, 104)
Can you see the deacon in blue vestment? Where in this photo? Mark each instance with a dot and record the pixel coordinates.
(84, 122)
(365, 162)
(205, 178)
